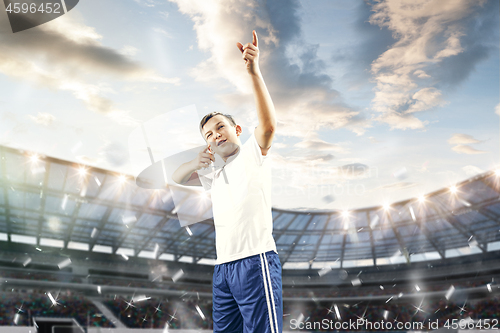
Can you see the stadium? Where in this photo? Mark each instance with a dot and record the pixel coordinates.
(86, 250)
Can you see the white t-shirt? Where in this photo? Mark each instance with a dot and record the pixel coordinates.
(241, 202)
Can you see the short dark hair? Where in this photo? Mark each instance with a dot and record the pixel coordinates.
(213, 114)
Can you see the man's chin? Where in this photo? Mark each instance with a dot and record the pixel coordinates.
(226, 149)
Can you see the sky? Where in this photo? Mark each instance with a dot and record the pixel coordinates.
(376, 101)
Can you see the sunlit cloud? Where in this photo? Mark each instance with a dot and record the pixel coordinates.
(464, 149)
(427, 33)
(43, 118)
(66, 54)
(302, 93)
(460, 138)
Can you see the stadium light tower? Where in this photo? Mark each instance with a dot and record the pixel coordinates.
(453, 189)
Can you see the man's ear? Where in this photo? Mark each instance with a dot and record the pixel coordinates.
(238, 130)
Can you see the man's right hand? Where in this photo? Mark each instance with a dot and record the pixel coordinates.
(204, 158)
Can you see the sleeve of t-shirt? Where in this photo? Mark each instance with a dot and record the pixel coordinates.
(253, 146)
(206, 178)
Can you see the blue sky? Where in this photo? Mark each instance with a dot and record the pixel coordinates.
(376, 101)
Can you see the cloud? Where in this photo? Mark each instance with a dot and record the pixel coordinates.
(66, 54)
(464, 149)
(497, 109)
(43, 118)
(472, 170)
(279, 145)
(421, 74)
(319, 145)
(459, 138)
(115, 153)
(302, 93)
(374, 140)
(428, 34)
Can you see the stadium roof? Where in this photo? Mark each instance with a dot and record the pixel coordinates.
(45, 201)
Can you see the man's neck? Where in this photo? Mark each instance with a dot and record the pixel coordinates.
(232, 154)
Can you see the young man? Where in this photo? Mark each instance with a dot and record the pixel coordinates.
(247, 277)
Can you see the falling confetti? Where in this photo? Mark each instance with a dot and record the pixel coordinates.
(489, 287)
(52, 299)
(64, 202)
(99, 289)
(374, 222)
(412, 214)
(386, 314)
(94, 233)
(177, 275)
(324, 270)
(190, 233)
(26, 262)
(98, 182)
(64, 263)
(390, 298)
(356, 282)
(329, 199)
(16, 318)
(400, 174)
(450, 292)
(76, 147)
(124, 256)
(129, 219)
(417, 287)
(140, 298)
(337, 312)
(200, 312)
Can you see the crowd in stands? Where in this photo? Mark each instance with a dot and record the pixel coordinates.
(440, 312)
(20, 309)
(186, 313)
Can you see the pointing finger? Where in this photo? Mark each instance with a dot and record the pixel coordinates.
(255, 39)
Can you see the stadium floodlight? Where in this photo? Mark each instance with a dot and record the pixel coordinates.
(453, 189)
(122, 179)
(82, 171)
(421, 199)
(386, 206)
(345, 213)
(34, 158)
(497, 172)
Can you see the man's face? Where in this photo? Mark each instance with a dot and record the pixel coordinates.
(222, 137)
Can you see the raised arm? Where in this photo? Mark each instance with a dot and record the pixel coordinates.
(264, 133)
